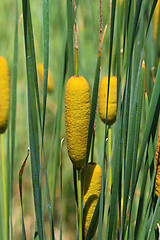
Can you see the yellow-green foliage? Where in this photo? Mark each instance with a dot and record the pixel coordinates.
(157, 177)
(91, 194)
(112, 100)
(4, 94)
(50, 86)
(77, 115)
(155, 20)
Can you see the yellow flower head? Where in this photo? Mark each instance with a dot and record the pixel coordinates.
(4, 94)
(77, 115)
(92, 191)
(112, 100)
(50, 86)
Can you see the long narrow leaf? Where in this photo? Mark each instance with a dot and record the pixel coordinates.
(32, 112)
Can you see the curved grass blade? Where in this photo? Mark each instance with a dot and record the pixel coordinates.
(32, 113)
(20, 191)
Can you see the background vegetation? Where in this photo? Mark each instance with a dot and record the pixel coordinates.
(133, 27)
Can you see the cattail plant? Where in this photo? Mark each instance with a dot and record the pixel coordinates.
(77, 114)
(92, 191)
(4, 94)
(50, 86)
(157, 177)
(112, 107)
(112, 100)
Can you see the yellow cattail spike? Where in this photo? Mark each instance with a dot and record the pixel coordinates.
(112, 101)
(155, 20)
(92, 191)
(77, 115)
(50, 86)
(4, 94)
(157, 176)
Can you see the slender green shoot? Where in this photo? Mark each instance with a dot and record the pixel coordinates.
(4, 187)
(80, 204)
(109, 156)
(76, 39)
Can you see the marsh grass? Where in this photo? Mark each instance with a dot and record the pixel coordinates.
(36, 118)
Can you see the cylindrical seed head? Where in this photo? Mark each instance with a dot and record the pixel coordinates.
(112, 100)
(4, 94)
(77, 115)
(92, 191)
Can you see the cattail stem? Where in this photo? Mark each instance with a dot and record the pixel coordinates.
(92, 150)
(80, 204)
(76, 61)
(109, 155)
(4, 188)
(76, 38)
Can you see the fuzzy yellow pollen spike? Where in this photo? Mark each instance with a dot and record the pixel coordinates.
(112, 100)
(157, 177)
(91, 194)
(50, 86)
(77, 115)
(4, 94)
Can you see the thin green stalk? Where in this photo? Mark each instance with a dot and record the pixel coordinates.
(61, 191)
(76, 39)
(92, 150)
(4, 187)
(76, 61)
(80, 204)
(109, 156)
